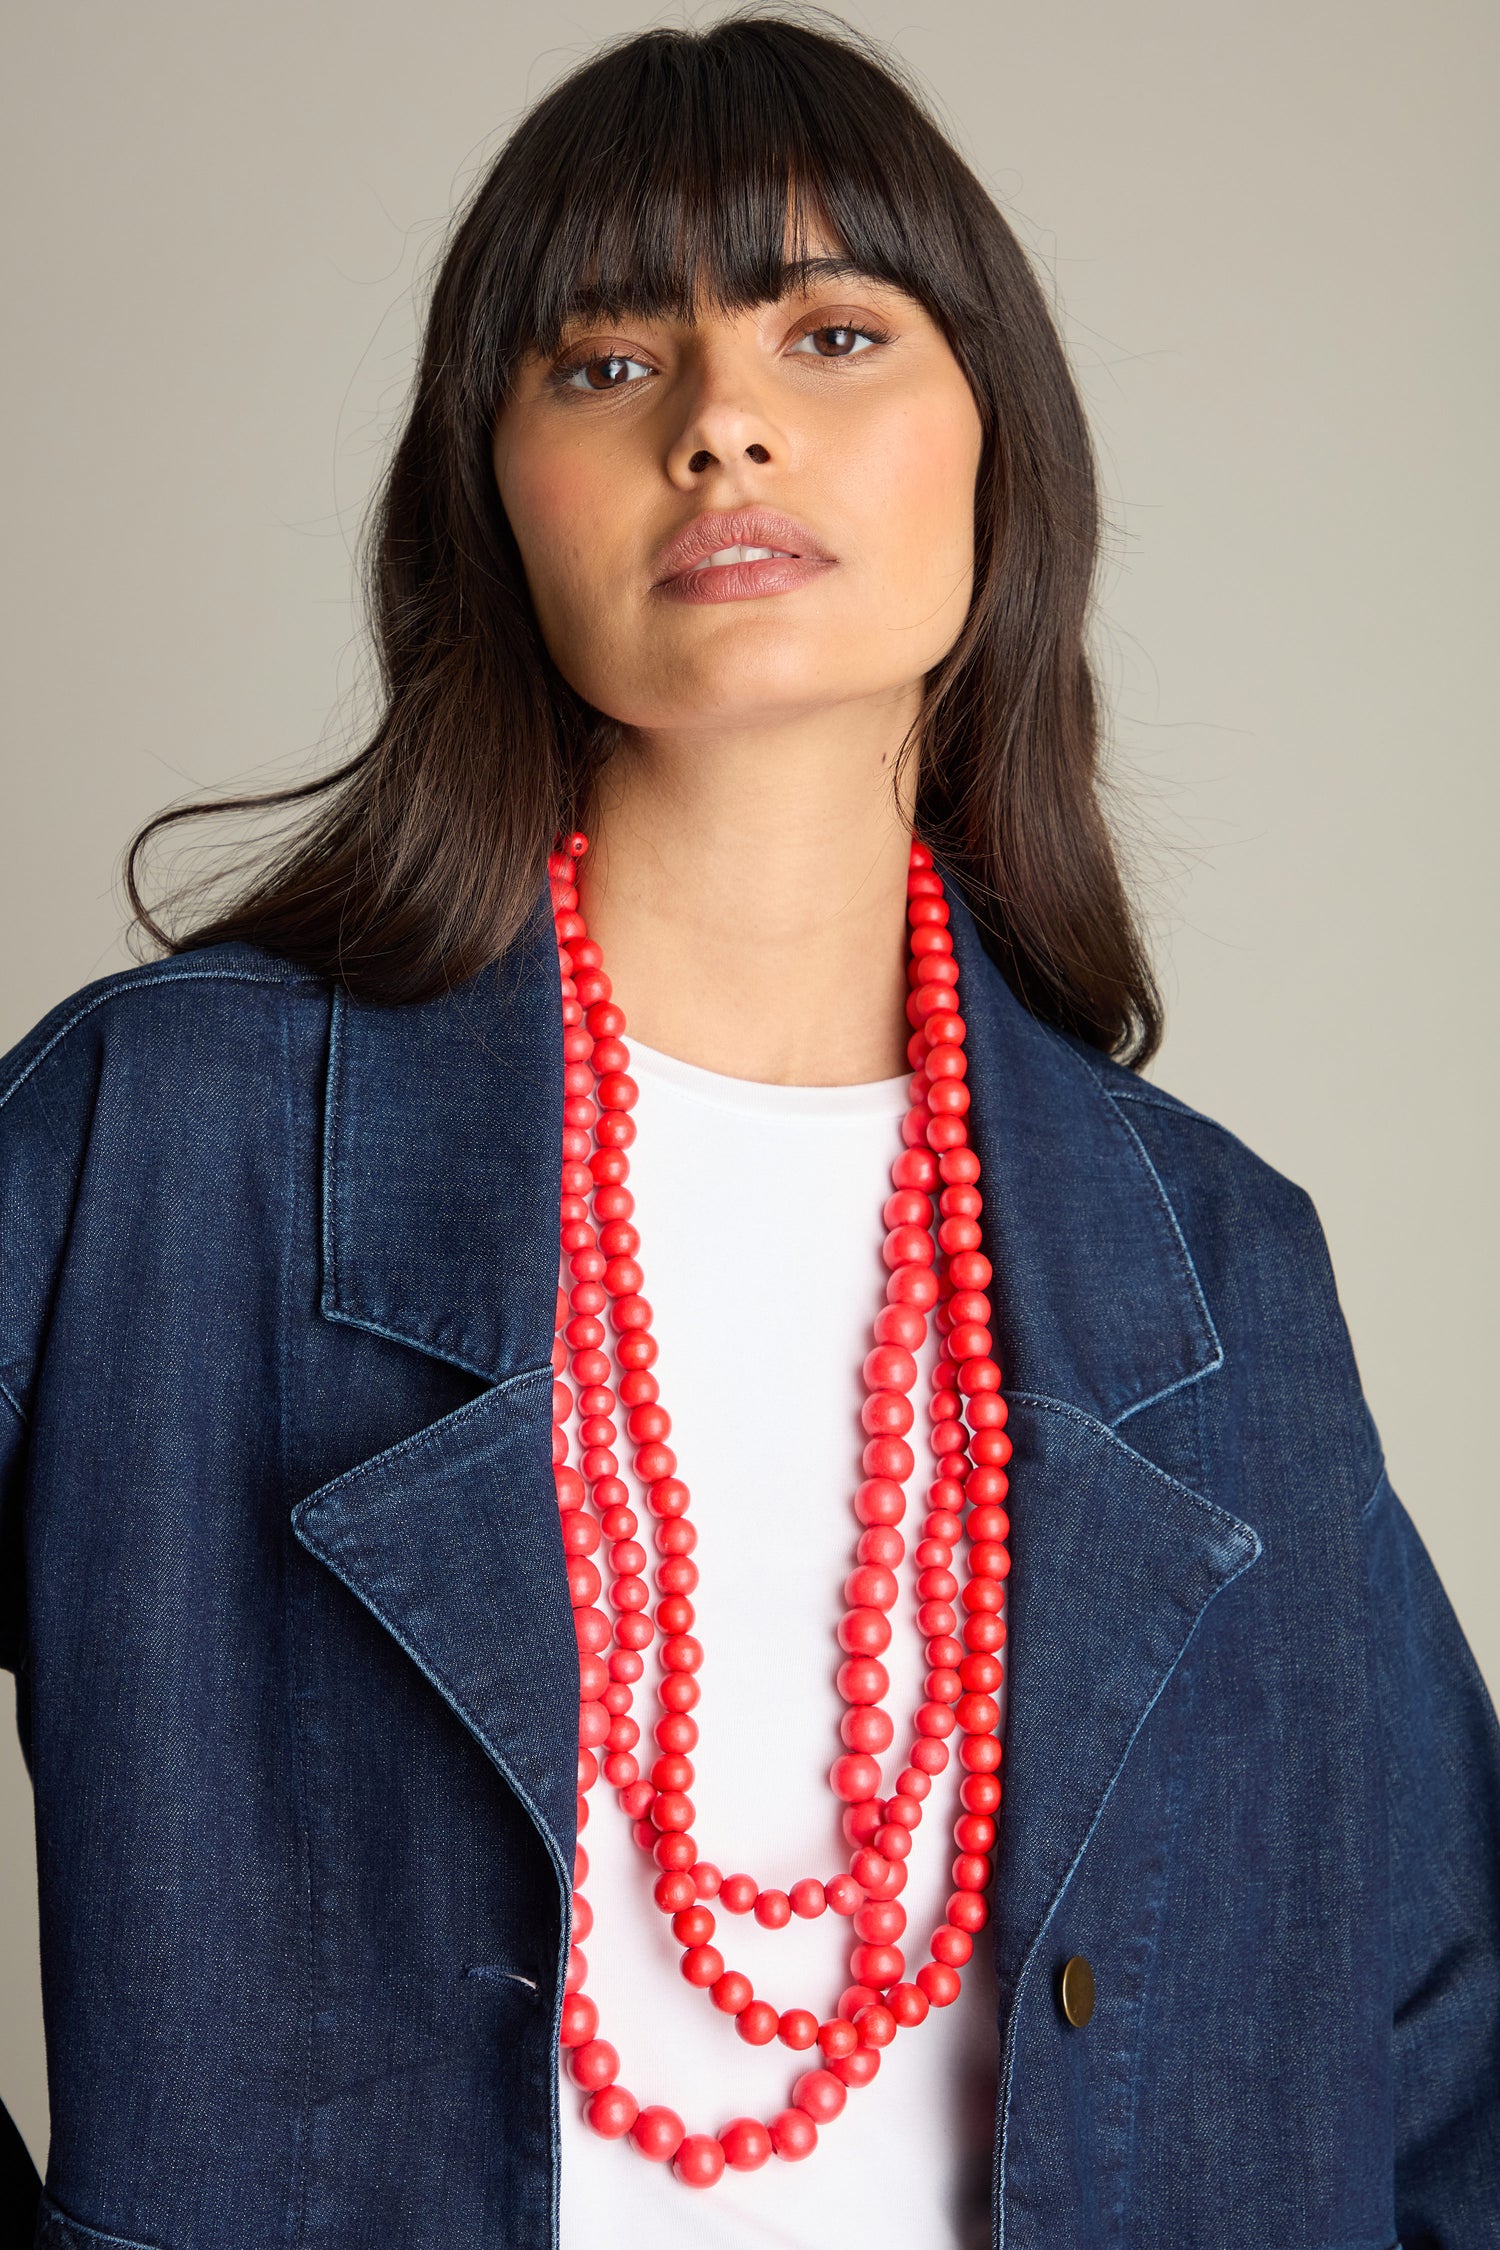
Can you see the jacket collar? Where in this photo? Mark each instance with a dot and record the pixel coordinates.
(441, 1178)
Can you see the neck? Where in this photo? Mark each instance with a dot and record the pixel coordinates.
(748, 888)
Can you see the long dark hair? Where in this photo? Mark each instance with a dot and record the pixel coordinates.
(660, 174)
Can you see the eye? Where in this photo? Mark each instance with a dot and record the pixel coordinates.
(606, 371)
(836, 343)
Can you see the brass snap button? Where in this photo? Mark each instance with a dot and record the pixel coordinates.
(1075, 1991)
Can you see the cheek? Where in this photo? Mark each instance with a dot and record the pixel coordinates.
(917, 475)
(562, 507)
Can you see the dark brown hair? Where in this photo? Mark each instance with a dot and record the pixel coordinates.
(662, 174)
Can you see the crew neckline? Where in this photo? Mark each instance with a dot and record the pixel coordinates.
(875, 1097)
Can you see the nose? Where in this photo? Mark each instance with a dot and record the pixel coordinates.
(724, 427)
(703, 459)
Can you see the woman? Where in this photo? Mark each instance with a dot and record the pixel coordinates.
(723, 910)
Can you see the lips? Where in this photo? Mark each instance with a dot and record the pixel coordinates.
(775, 539)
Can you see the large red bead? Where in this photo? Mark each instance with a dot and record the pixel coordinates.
(854, 1778)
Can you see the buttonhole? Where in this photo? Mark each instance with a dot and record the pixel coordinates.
(488, 1973)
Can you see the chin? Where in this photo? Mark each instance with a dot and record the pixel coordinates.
(782, 678)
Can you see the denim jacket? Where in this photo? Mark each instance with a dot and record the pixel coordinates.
(282, 1583)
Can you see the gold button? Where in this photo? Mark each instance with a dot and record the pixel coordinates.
(1075, 1989)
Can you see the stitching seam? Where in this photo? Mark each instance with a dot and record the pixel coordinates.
(103, 999)
(420, 1440)
(1382, 1484)
(1175, 1484)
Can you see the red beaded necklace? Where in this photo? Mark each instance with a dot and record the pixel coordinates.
(934, 1270)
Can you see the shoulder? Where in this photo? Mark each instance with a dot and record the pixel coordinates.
(1217, 1184)
(135, 1106)
(170, 1044)
(147, 1011)
(1260, 1258)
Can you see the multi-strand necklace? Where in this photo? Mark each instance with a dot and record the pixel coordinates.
(937, 1272)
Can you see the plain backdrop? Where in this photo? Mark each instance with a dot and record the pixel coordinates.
(1269, 230)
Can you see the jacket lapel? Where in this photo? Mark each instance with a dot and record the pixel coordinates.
(442, 1148)
(440, 1194)
(1098, 1313)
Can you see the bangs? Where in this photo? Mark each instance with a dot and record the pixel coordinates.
(718, 169)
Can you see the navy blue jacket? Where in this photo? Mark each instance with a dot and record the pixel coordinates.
(282, 1583)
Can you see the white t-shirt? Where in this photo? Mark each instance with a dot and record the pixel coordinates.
(759, 1213)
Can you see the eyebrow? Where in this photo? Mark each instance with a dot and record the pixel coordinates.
(806, 273)
(798, 276)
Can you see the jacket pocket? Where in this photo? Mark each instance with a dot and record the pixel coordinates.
(56, 2231)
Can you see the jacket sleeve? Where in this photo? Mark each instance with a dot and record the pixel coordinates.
(48, 1086)
(1442, 1759)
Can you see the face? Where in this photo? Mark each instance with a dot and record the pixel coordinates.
(747, 516)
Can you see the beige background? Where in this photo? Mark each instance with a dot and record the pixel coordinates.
(1270, 230)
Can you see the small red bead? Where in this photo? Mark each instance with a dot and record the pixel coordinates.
(611, 2112)
(657, 2133)
(737, 1893)
(843, 1894)
(593, 2065)
(793, 2135)
(908, 2003)
(699, 2160)
(876, 2025)
(941, 1984)
(821, 2094)
(746, 2144)
(950, 1947)
(797, 2028)
(858, 1996)
(758, 2024)
(732, 1992)
(808, 1898)
(837, 2038)
(580, 2020)
(859, 2068)
(704, 1964)
(773, 1910)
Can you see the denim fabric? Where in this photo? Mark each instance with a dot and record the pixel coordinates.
(281, 1580)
